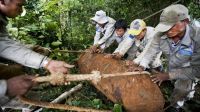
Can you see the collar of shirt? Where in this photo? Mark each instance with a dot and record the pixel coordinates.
(119, 38)
(186, 39)
(137, 42)
(118, 35)
(148, 35)
(174, 45)
(100, 29)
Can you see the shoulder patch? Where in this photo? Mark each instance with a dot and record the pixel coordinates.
(98, 29)
(186, 51)
(131, 36)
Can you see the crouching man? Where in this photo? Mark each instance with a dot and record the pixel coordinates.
(180, 42)
(133, 45)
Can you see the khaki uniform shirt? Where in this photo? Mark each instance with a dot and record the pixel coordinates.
(183, 57)
(103, 34)
(134, 48)
(12, 50)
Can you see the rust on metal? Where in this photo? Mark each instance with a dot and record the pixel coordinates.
(137, 93)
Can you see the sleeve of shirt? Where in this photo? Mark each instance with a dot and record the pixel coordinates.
(151, 50)
(124, 46)
(12, 50)
(157, 62)
(108, 34)
(97, 35)
(3, 88)
(185, 73)
(148, 38)
(110, 41)
(140, 57)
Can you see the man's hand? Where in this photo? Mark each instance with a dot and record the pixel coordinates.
(117, 55)
(58, 67)
(160, 77)
(99, 50)
(135, 69)
(93, 49)
(132, 68)
(129, 63)
(19, 85)
(109, 56)
(139, 68)
(114, 55)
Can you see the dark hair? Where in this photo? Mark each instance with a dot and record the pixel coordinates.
(121, 24)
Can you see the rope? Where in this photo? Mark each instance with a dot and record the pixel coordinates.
(95, 76)
(70, 51)
(159, 11)
(58, 106)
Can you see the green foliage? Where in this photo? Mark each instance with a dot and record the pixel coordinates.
(65, 24)
(87, 97)
(194, 9)
(117, 108)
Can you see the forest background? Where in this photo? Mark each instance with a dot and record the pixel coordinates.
(66, 25)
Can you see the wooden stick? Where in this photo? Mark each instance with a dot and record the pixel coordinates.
(95, 76)
(70, 51)
(58, 106)
(63, 96)
(67, 93)
(3, 64)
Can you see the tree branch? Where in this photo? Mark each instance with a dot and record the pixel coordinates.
(62, 96)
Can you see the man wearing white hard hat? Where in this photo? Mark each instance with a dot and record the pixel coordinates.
(179, 40)
(104, 30)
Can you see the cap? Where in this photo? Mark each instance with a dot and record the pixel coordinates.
(136, 27)
(170, 16)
